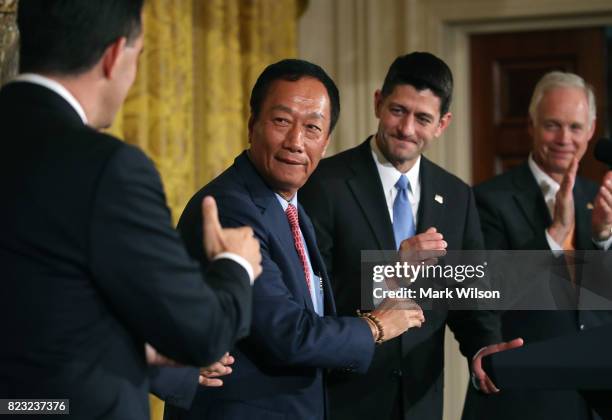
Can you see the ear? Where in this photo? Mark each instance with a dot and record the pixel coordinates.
(111, 57)
(378, 100)
(445, 121)
(250, 125)
(592, 129)
(530, 127)
(325, 147)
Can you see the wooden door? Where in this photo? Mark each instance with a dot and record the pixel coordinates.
(504, 70)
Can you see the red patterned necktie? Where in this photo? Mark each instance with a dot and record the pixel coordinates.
(292, 216)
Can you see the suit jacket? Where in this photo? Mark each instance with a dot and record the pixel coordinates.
(346, 202)
(92, 268)
(278, 373)
(514, 216)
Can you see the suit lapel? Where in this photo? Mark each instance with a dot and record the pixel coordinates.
(529, 199)
(368, 191)
(431, 204)
(583, 217)
(275, 220)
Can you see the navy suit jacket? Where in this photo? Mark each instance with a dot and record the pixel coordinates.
(279, 368)
(91, 266)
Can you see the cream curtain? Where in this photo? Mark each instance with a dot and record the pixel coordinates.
(188, 108)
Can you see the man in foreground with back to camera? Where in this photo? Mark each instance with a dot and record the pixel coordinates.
(543, 205)
(400, 200)
(295, 333)
(91, 266)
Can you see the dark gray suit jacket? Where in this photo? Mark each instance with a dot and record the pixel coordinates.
(514, 216)
(92, 268)
(345, 200)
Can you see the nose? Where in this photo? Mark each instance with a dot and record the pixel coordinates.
(565, 135)
(294, 140)
(406, 126)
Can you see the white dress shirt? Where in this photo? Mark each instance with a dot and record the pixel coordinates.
(56, 87)
(389, 175)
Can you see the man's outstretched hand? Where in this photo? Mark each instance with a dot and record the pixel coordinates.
(482, 380)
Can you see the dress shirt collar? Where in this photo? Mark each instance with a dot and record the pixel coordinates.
(55, 87)
(548, 186)
(285, 203)
(389, 174)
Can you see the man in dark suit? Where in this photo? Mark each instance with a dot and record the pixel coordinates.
(543, 205)
(295, 334)
(355, 205)
(91, 266)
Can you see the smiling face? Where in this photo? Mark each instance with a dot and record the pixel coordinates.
(562, 130)
(408, 120)
(291, 133)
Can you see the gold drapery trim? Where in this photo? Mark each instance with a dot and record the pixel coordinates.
(8, 40)
(8, 6)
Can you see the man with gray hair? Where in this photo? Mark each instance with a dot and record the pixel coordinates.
(541, 205)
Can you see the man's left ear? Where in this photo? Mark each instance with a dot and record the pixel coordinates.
(592, 129)
(325, 147)
(445, 121)
(111, 56)
(250, 124)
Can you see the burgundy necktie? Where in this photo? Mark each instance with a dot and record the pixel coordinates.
(292, 216)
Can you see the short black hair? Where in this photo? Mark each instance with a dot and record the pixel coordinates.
(67, 37)
(421, 70)
(293, 70)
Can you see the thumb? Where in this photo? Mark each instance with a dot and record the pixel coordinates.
(517, 342)
(210, 221)
(512, 344)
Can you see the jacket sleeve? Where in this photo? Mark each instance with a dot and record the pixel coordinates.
(284, 332)
(140, 265)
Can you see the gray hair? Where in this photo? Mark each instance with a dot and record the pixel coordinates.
(558, 79)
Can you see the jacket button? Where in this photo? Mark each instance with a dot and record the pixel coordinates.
(397, 373)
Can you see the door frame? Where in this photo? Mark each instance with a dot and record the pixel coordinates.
(444, 27)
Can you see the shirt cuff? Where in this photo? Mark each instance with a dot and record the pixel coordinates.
(553, 245)
(240, 260)
(605, 245)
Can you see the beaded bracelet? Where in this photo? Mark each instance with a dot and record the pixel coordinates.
(379, 327)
